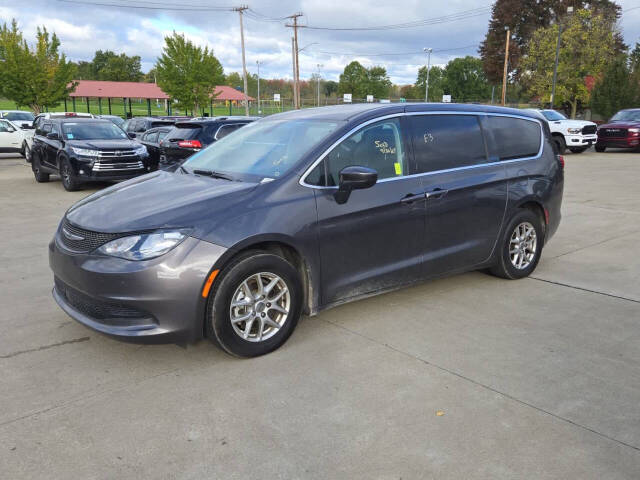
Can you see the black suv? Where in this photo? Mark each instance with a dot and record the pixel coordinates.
(84, 150)
(193, 135)
(139, 125)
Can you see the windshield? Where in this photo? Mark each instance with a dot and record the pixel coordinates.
(627, 116)
(92, 131)
(19, 116)
(553, 116)
(266, 148)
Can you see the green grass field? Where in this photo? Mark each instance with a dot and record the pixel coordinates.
(139, 108)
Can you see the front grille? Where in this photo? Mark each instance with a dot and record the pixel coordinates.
(80, 240)
(589, 129)
(612, 132)
(101, 166)
(117, 153)
(97, 309)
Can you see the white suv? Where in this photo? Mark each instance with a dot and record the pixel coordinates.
(576, 135)
(11, 137)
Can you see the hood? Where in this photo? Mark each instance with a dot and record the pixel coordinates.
(159, 200)
(116, 144)
(22, 123)
(620, 125)
(573, 123)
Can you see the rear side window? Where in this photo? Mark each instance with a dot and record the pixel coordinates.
(513, 137)
(442, 142)
(225, 130)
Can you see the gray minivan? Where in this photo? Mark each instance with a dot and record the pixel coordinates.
(304, 210)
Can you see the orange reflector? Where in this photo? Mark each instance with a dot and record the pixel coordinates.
(207, 286)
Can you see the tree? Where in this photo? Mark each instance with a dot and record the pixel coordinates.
(588, 42)
(330, 87)
(378, 82)
(524, 17)
(436, 84)
(108, 65)
(353, 80)
(37, 77)
(618, 88)
(188, 73)
(465, 80)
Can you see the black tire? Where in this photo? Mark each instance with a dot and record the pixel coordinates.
(577, 150)
(68, 176)
(26, 152)
(39, 175)
(504, 267)
(560, 144)
(600, 149)
(218, 313)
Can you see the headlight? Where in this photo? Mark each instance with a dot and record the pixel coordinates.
(574, 130)
(141, 150)
(85, 152)
(634, 130)
(144, 246)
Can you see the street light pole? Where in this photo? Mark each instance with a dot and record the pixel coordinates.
(319, 67)
(258, 64)
(240, 11)
(426, 88)
(555, 66)
(506, 65)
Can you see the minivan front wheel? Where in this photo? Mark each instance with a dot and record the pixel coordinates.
(521, 246)
(255, 304)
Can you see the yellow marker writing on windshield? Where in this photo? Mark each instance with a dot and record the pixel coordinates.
(398, 168)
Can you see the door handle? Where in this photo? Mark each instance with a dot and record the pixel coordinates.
(412, 197)
(437, 193)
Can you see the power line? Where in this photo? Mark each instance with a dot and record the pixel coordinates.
(417, 52)
(463, 15)
(142, 5)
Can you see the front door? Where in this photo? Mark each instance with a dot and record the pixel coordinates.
(374, 240)
(466, 191)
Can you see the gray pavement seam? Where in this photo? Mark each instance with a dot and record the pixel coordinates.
(45, 347)
(610, 295)
(487, 387)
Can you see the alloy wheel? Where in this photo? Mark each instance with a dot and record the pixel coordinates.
(523, 246)
(260, 307)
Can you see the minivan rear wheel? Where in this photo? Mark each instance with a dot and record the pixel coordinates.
(560, 144)
(520, 247)
(255, 304)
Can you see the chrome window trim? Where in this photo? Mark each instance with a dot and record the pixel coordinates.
(215, 136)
(435, 172)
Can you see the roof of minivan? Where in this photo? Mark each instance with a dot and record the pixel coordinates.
(353, 111)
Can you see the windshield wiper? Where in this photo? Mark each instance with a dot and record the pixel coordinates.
(212, 174)
(184, 170)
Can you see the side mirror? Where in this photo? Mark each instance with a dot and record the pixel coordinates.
(11, 129)
(354, 178)
(132, 135)
(53, 136)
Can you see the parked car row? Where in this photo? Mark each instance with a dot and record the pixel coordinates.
(82, 148)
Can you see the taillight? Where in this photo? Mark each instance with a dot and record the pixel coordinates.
(190, 144)
(561, 161)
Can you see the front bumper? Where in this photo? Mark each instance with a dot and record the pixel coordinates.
(153, 301)
(580, 141)
(619, 142)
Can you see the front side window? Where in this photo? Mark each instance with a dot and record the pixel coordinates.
(378, 146)
(514, 137)
(151, 137)
(225, 130)
(4, 126)
(443, 142)
(267, 148)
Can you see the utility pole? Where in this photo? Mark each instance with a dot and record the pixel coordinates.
(319, 67)
(555, 66)
(240, 11)
(258, 64)
(426, 88)
(506, 64)
(296, 66)
(295, 86)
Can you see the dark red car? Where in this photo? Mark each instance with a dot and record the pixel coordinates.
(622, 131)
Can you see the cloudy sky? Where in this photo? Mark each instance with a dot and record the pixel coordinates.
(83, 27)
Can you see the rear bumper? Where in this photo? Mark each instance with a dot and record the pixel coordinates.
(154, 301)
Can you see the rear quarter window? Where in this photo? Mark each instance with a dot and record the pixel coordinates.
(513, 137)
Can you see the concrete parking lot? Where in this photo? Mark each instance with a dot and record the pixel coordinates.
(466, 377)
